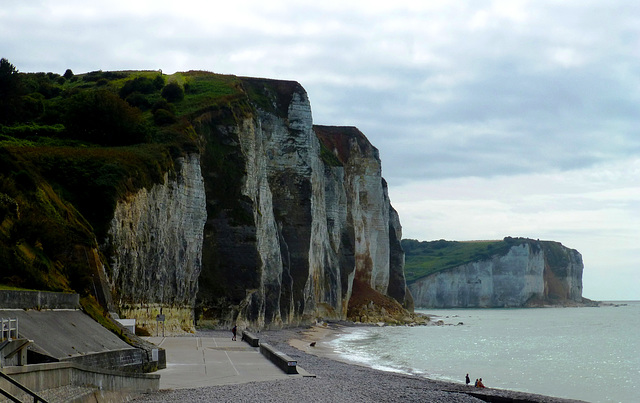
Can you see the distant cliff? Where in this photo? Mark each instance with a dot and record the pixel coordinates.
(511, 273)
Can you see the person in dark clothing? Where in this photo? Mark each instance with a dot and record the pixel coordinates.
(467, 380)
(234, 331)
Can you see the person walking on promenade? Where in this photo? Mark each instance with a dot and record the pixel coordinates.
(467, 380)
(234, 331)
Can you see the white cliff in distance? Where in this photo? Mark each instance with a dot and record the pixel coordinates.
(530, 273)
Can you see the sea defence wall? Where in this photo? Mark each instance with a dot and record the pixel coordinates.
(110, 385)
(128, 359)
(66, 333)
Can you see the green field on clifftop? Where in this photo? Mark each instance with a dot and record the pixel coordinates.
(425, 258)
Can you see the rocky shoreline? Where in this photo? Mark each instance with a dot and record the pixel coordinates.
(337, 381)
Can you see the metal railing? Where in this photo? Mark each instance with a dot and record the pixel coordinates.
(8, 329)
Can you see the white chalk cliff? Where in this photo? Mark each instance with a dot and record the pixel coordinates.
(269, 224)
(156, 239)
(530, 273)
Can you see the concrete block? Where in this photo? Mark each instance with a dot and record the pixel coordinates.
(283, 361)
(251, 339)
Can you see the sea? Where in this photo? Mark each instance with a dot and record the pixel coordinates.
(587, 353)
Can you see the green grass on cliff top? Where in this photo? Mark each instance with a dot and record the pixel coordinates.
(426, 258)
(204, 89)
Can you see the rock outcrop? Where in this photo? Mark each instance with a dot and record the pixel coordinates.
(268, 225)
(531, 273)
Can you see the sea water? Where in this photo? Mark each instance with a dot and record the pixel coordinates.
(590, 354)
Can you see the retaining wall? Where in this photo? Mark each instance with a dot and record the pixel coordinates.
(128, 360)
(40, 377)
(10, 299)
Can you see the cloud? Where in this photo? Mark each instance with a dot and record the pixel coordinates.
(593, 210)
(494, 107)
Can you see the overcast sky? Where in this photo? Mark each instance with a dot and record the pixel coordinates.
(493, 118)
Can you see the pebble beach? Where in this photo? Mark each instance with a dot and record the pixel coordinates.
(336, 381)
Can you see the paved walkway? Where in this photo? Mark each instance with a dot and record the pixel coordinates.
(194, 362)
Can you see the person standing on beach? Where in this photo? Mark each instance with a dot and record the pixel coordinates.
(234, 331)
(467, 380)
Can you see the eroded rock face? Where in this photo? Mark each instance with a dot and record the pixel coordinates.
(155, 239)
(529, 273)
(398, 289)
(318, 216)
(563, 273)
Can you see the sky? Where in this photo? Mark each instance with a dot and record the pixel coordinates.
(493, 118)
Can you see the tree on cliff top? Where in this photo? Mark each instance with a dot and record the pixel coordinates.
(173, 92)
(103, 118)
(10, 91)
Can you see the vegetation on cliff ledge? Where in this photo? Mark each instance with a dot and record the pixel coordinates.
(72, 145)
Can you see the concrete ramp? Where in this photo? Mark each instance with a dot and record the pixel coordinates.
(65, 334)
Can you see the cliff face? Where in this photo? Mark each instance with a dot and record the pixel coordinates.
(531, 273)
(156, 239)
(372, 221)
(268, 225)
(155, 244)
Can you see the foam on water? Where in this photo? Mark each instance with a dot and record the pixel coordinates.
(590, 354)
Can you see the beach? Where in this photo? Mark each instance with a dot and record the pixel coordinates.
(335, 380)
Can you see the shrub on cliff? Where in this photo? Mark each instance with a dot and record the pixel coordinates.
(142, 85)
(173, 92)
(158, 82)
(103, 118)
(163, 117)
(139, 101)
(163, 104)
(94, 76)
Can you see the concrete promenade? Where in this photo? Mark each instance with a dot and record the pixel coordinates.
(194, 362)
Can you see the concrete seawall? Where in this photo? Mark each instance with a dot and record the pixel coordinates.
(38, 300)
(62, 332)
(128, 360)
(117, 385)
